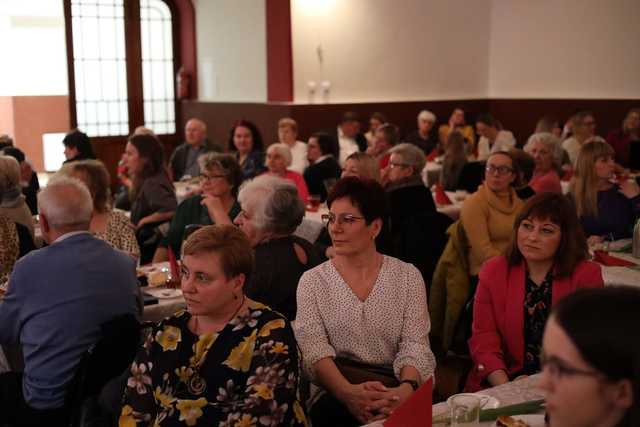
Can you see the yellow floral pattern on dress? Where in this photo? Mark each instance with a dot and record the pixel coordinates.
(190, 410)
(126, 417)
(279, 348)
(265, 331)
(240, 357)
(299, 412)
(201, 348)
(169, 338)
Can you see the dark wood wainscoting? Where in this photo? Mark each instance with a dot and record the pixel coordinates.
(518, 115)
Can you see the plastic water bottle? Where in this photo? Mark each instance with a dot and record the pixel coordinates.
(636, 240)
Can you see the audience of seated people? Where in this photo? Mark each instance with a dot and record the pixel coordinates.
(226, 360)
(493, 137)
(77, 146)
(547, 152)
(56, 301)
(271, 212)
(153, 198)
(362, 321)
(245, 141)
(28, 178)
(457, 122)
(546, 260)
(626, 141)
(220, 181)
(488, 214)
(583, 129)
(278, 162)
(455, 157)
(107, 224)
(424, 137)
(589, 359)
(607, 210)
(12, 202)
(288, 134)
(323, 167)
(184, 160)
(375, 121)
(348, 135)
(385, 138)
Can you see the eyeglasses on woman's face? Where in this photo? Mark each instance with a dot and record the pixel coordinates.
(500, 170)
(558, 369)
(341, 219)
(204, 177)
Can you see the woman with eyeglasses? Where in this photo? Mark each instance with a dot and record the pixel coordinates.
(546, 260)
(591, 359)
(362, 320)
(220, 180)
(271, 212)
(607, 210)
(488, 214)
(226, 360)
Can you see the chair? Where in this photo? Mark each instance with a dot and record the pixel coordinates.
(471, 176)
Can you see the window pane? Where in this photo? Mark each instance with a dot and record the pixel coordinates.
(157, 66)
(100, 68)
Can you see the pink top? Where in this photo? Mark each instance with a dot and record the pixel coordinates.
(298, 180)
(546, 182)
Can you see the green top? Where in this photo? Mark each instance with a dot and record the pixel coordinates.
(190, 211)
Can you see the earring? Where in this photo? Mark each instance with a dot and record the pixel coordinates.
(235, 296)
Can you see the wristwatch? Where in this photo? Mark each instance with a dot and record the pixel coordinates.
(414, 384)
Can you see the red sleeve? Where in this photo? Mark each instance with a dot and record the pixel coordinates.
(588, 275)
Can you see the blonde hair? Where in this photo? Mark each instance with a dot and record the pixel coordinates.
(288, 122)
(95, 176)
(368, 168)
(9, 173)
(584, 185)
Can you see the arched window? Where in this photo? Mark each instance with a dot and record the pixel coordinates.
(121, 66)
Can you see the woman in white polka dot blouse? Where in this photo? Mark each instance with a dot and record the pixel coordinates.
(362, 308)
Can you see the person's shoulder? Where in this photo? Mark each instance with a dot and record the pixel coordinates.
(190, 202)
(317, 274)
(494, 267)
(588, 269)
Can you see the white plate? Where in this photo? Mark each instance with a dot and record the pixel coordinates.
(164, 293)
(492, 403)
(534, 420)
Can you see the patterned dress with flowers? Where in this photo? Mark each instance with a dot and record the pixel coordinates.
(245, 375)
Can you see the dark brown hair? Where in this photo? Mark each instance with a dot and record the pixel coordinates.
(229, 242)
(151, 155)
(559, 210)
(365, 194)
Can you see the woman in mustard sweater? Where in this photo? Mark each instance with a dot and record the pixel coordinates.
(488, 214)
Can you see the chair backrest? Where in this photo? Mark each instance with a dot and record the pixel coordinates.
(471, 176)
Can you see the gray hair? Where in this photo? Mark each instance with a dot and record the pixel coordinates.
(9, 174)
(427, 115)
(66, 202)
(282, 149)
(274, 203)
(411, 156)
(551, 141)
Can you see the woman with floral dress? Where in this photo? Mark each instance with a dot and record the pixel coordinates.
(226, 360)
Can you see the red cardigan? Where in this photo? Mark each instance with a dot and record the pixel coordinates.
(497, 340)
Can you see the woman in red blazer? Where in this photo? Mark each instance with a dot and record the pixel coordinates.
(547, 260)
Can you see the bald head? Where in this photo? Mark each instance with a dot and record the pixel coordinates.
(195, 132)
(66, 203)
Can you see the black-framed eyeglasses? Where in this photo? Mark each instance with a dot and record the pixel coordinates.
(341, 219)
(501, 170)
(558, 369)
(204, 177)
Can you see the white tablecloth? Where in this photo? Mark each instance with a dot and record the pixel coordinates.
(622, 275)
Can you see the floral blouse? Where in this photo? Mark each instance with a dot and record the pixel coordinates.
(537, 305)
(245, 375)
(8, 248)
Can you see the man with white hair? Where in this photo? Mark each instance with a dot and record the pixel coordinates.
(423, 137)
(184, 160)
(56, 300)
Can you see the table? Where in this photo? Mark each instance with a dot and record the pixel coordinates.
(507, 394)
(621, 275)
(164, 308)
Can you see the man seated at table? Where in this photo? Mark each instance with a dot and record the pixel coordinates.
(184, 160)
(348, 135)
(56, 300)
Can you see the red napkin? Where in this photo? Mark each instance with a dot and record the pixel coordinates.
(611, 261)
(432, 155)
(441, 196)
(173, 264)
(415, 411)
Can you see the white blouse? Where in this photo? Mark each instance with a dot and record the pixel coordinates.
(390, 328)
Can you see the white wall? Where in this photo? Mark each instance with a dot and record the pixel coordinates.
(390, 50)
(565, 49)
(231, 50)
(32, 48)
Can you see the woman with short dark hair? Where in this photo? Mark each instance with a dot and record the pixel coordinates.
(546, 260)
(361, 309)
(226, 360)
(77, 146)
(591, 359)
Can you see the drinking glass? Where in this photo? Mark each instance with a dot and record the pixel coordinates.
(465, 409)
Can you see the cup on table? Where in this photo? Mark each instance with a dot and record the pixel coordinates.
(465, 409)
